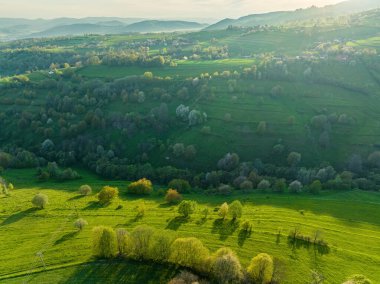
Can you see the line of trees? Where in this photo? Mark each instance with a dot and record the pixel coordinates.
(145, 243)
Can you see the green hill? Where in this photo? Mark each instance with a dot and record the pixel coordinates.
(280, 18)
(353, 234)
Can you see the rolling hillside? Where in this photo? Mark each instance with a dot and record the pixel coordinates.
(278, 18)
(24, 28)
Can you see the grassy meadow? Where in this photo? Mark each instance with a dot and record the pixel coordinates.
(349, 222)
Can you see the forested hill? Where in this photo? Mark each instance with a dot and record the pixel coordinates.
(279, 18)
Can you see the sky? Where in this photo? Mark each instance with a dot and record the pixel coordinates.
(158, 9)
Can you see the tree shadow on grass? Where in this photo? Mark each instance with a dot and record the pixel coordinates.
(18, 216)
(166, 205)
(224, 228)
(134, 219)
(66, 237)
(296, 244)
(93, 205)
(243, 236)
(121, 271)
(76, 197)
(176, 222)
(201, 221)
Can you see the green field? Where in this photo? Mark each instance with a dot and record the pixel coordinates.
(349, 222)
(184, 69)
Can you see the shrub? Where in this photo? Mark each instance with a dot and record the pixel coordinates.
(180, 185)
(223, 210)
(142, 186)
(261, 268)
(107, 194)
(148, 75)
(295, 186)
(189, 252)
(236, 209)
(172, 196)
(40, 200)
(315, 187)
(80, 224)
(187, 207)
(206, 130)
(104, 242)
(85, 190)
(226, 267)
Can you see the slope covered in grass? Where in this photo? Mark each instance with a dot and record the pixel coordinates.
(348, 221)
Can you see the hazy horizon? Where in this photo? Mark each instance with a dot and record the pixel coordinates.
(165, 9)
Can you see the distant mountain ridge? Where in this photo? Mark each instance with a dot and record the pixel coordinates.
(24, 28)
(281, 17)
(13, 28)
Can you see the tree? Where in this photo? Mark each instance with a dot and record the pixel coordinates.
(229, 162)
(262, 127)
(186, 277)
(190, 152)
(40, 200)
(178, 149)
(160, 247)
(264, 184)
(107, 194)
(187, 207)
(355, 164)
(226, 267)
(261, 268)
(315, 187)
(358, 279)
(142, 186)
(189, 252)
(294, 158)
(236, 209)
(140, 209)
(140, 240)
(104, 242)
(122, 236)
(295, 186)
(374, 159)
(85, 190)
(279, 186)
(180, 185)
(223, 210)
(80, 224)
(172, 196)
(246, 185)
(317, 277)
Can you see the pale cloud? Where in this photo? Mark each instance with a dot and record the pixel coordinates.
(161, 9)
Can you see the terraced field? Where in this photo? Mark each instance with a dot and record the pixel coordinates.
(348, 221)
